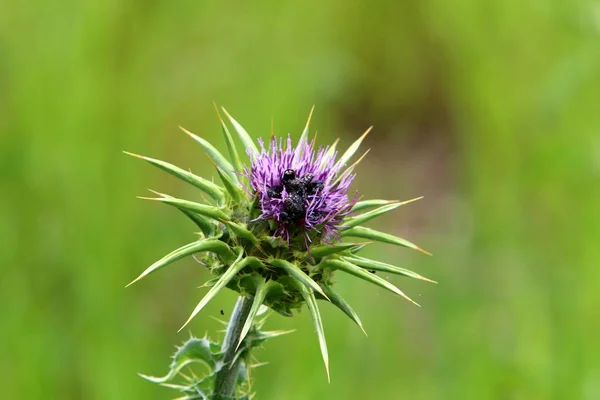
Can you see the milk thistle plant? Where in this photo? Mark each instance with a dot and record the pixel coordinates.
(275, 233)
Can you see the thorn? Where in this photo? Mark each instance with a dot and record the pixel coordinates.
(219, 320)
(427, 279)
(134, 155)
(424, 251)
(363, 330)
(186, 131)
(278, 333)
(361, 157)
(408, 201)
(190, 318)
(366, 132)
(260, 364)
(134, 281)
(323, 294)
(411, 300)
(239, 343)
(148, 198)
(218, 114)
(226, 113)
(309, 117)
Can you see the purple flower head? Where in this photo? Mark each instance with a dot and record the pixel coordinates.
(301, 189)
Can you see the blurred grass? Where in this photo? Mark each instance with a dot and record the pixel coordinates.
(490, 110)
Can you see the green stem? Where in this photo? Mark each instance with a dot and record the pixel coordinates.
(227, 377)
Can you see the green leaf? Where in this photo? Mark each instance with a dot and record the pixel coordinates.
(304, 136)
(383, 267)
(213, 190)
(204, 224)
(245, 138)
(367, 276)
(340, 303)
(231, 148)
(234, 190)
(297, 274)
(369, 215)
(352, 149)
(193, 351)
(358, 248)
(242, 232)
(214, 154)
(364, 204)
(202, 209)
(311, 302)
(212, 245)
(372, 234)
(227, 276)
(261, 292)
(262, 336)
(325, 250)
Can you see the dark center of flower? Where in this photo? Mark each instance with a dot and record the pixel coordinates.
(298, 191)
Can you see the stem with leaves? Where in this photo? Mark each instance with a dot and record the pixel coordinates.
(228, 375)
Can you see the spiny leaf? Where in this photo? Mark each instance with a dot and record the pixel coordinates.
(213, 190)
(358, 248)
(246, 139)
(340, 303)
(364, 204)
(367, 276)
(325, 250)
(231, 148)
(227, 276)
(261, 336)
(212, 245)
(361, 205)
(352, 149)
(234, 191)
(297, 273)
(261, 292)
(203, 209)
(368, 233)
(242, 232)
(311, 302)
(383, 267)
(193, 351)
(214, 154)
(206, 226)
(304, 136)
(369, 215)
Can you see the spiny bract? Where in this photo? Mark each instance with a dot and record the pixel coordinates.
(273, 231)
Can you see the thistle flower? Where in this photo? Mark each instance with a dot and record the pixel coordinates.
(275, 230)
(300, 189)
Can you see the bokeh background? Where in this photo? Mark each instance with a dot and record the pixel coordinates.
(488, 109)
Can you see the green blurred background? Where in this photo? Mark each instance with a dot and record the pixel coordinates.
(489, 109)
